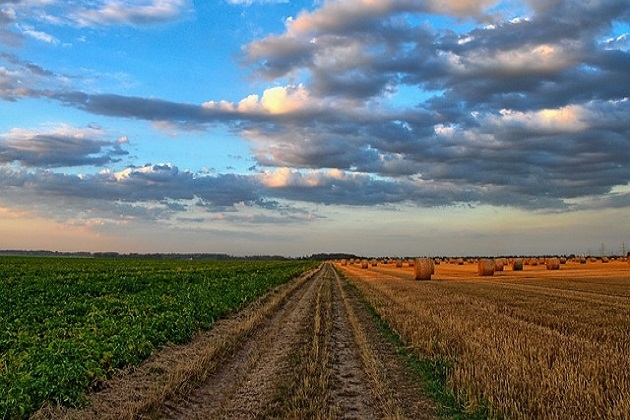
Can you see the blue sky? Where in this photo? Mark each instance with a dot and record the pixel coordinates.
(391, 127)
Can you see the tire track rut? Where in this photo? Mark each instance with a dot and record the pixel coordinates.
(245, 385)
(309, 351)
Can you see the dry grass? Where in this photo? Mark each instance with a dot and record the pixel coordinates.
(532, 344)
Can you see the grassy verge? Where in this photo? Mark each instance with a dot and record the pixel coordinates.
(372, 366)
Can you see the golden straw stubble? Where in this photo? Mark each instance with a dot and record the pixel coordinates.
(527, 372)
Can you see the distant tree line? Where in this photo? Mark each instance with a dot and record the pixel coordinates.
(114, 254)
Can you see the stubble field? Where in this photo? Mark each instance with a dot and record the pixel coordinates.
(527, 344)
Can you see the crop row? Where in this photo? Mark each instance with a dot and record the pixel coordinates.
(66, 324)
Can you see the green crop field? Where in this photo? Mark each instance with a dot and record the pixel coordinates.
(68, 323)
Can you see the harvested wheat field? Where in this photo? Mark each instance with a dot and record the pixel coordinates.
(308, 350)
(543, 343)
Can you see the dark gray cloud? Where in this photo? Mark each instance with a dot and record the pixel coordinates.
(162, 190)
(65, 147)
(518, 112)
(166, 181)
(479, 67)
(162, 183)
(530, 112)
(27, 66)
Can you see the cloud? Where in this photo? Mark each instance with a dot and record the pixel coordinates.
(27, 66)
(275, 100)
(39, 35)
(369, 48)
(336, 187)
(528, 60)
(164, 192)
(61, 146)
(7, 14)
(250, 2)
(619, 42)
(125, 12)
(23, 79)
(161, 185)
(514, 156)
(461, 8)
(528, 112)
(569, 119)
(10, 88)
(28, 16)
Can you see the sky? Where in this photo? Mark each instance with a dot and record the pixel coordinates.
(293, 127)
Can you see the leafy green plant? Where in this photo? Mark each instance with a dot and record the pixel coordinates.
(68, 323)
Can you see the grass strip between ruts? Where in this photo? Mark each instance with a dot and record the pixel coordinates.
(431, 374)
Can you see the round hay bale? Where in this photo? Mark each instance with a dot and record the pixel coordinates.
(399, 264)
(533, 261)
(553, 263)
(364, 264)
(344, 263)
(517, 264)
(423, 268)
(374, 263)
(563, 260)
(485, 267)
(605, 260)
(411, 263)
(460, 261)
(583, 260)
(498, 264)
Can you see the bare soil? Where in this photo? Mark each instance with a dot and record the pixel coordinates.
(308, 350)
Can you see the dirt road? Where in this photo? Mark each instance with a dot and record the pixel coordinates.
(309, 350)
